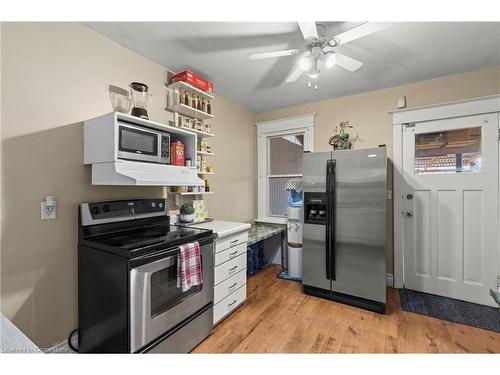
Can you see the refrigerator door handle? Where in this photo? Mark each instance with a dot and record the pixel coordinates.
(328, 248)
(333, 214)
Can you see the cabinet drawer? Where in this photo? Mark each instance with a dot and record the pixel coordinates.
(231, 253)
(229, 303)
(230, 241)
(229, 286)
(230, 268)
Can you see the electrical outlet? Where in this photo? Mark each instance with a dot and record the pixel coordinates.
(47, 212)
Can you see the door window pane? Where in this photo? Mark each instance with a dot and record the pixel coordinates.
(285, 154)
(451, 151)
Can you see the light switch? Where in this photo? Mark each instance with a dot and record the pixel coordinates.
(48, 209)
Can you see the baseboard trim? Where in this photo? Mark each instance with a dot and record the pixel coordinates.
(389, 280)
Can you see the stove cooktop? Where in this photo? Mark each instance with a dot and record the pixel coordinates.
(136, 242)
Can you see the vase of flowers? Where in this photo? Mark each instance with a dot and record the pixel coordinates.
(340, 140)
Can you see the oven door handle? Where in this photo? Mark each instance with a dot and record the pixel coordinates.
(167, 261)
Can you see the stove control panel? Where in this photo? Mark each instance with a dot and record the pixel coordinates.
(110, 211)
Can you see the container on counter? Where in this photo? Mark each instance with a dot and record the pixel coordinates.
(177, 153)
(189, 163)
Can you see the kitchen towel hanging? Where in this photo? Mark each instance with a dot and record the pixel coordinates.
(189, 270)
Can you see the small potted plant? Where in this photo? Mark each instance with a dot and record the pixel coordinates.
(187, 213)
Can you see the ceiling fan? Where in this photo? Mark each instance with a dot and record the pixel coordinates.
(320, 50)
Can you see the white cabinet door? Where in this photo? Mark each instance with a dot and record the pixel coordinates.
(450, 204)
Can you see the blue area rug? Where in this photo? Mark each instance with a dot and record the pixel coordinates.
(285, 276)
(450, 309)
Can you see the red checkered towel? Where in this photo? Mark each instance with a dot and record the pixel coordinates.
(189, 271)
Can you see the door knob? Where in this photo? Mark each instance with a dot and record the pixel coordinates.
(409, 213)
(409, 196)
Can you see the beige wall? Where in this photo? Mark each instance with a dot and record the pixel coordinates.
(368, 113)
(54, 76)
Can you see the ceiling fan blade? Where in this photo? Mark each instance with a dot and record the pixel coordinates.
(294, 75)
(267, 55)
(347, 62)
(308, 29)
(360, 31)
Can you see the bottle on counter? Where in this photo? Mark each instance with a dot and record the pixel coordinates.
(203, 105)
(194, 104)
(198, 105)
(186, 98)
(207, 187)
(209, 108)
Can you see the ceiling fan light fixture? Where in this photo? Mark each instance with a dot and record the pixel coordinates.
(331, 60)
(305, 63)
(314, 73)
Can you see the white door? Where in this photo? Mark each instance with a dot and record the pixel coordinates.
(450, 207)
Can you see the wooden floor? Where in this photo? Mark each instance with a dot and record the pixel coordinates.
(278, 318)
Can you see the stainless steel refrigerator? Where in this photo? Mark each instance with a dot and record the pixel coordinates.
(344, 233)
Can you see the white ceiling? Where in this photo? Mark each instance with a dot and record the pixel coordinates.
(404, 53)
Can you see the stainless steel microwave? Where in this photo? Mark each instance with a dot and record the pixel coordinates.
(143, 144)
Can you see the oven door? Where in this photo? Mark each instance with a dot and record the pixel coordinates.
(135, 143)
(157, 304)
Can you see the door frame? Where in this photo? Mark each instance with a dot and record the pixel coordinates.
(407, 116)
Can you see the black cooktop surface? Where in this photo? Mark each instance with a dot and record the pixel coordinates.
(142, 240)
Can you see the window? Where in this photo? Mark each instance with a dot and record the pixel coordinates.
(452, 151)
(281, 144)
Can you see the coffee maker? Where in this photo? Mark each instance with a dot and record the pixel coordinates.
(141, 99)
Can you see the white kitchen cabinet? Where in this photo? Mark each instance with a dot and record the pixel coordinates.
(230, 262)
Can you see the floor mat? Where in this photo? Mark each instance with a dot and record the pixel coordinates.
(285, 276)
(450, 309)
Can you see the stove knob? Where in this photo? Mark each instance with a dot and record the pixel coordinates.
(153, 204)
(95, 210)
(105, 208)
(161, 205)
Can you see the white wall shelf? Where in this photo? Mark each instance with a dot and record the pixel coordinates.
(204, 153)
(206, 173)
(185, 110)
(199, 133)
(190, 89)
(195, 193)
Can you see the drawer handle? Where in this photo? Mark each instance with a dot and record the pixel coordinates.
(232, 269)
(232, 286)
(232, 243)
(232, 255)
(231, 304)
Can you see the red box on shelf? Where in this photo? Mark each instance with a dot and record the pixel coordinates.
(195, 80)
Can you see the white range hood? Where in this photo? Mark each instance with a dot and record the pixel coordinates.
(123, 172)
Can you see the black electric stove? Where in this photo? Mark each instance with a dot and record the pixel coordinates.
(128, 297)
(132, 228)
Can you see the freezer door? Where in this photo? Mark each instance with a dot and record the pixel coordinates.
(360, 228)
(314, 245)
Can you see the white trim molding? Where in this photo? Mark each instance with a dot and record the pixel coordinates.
(457, 108)
(389, 280)
(266, 129)
(409, 116)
